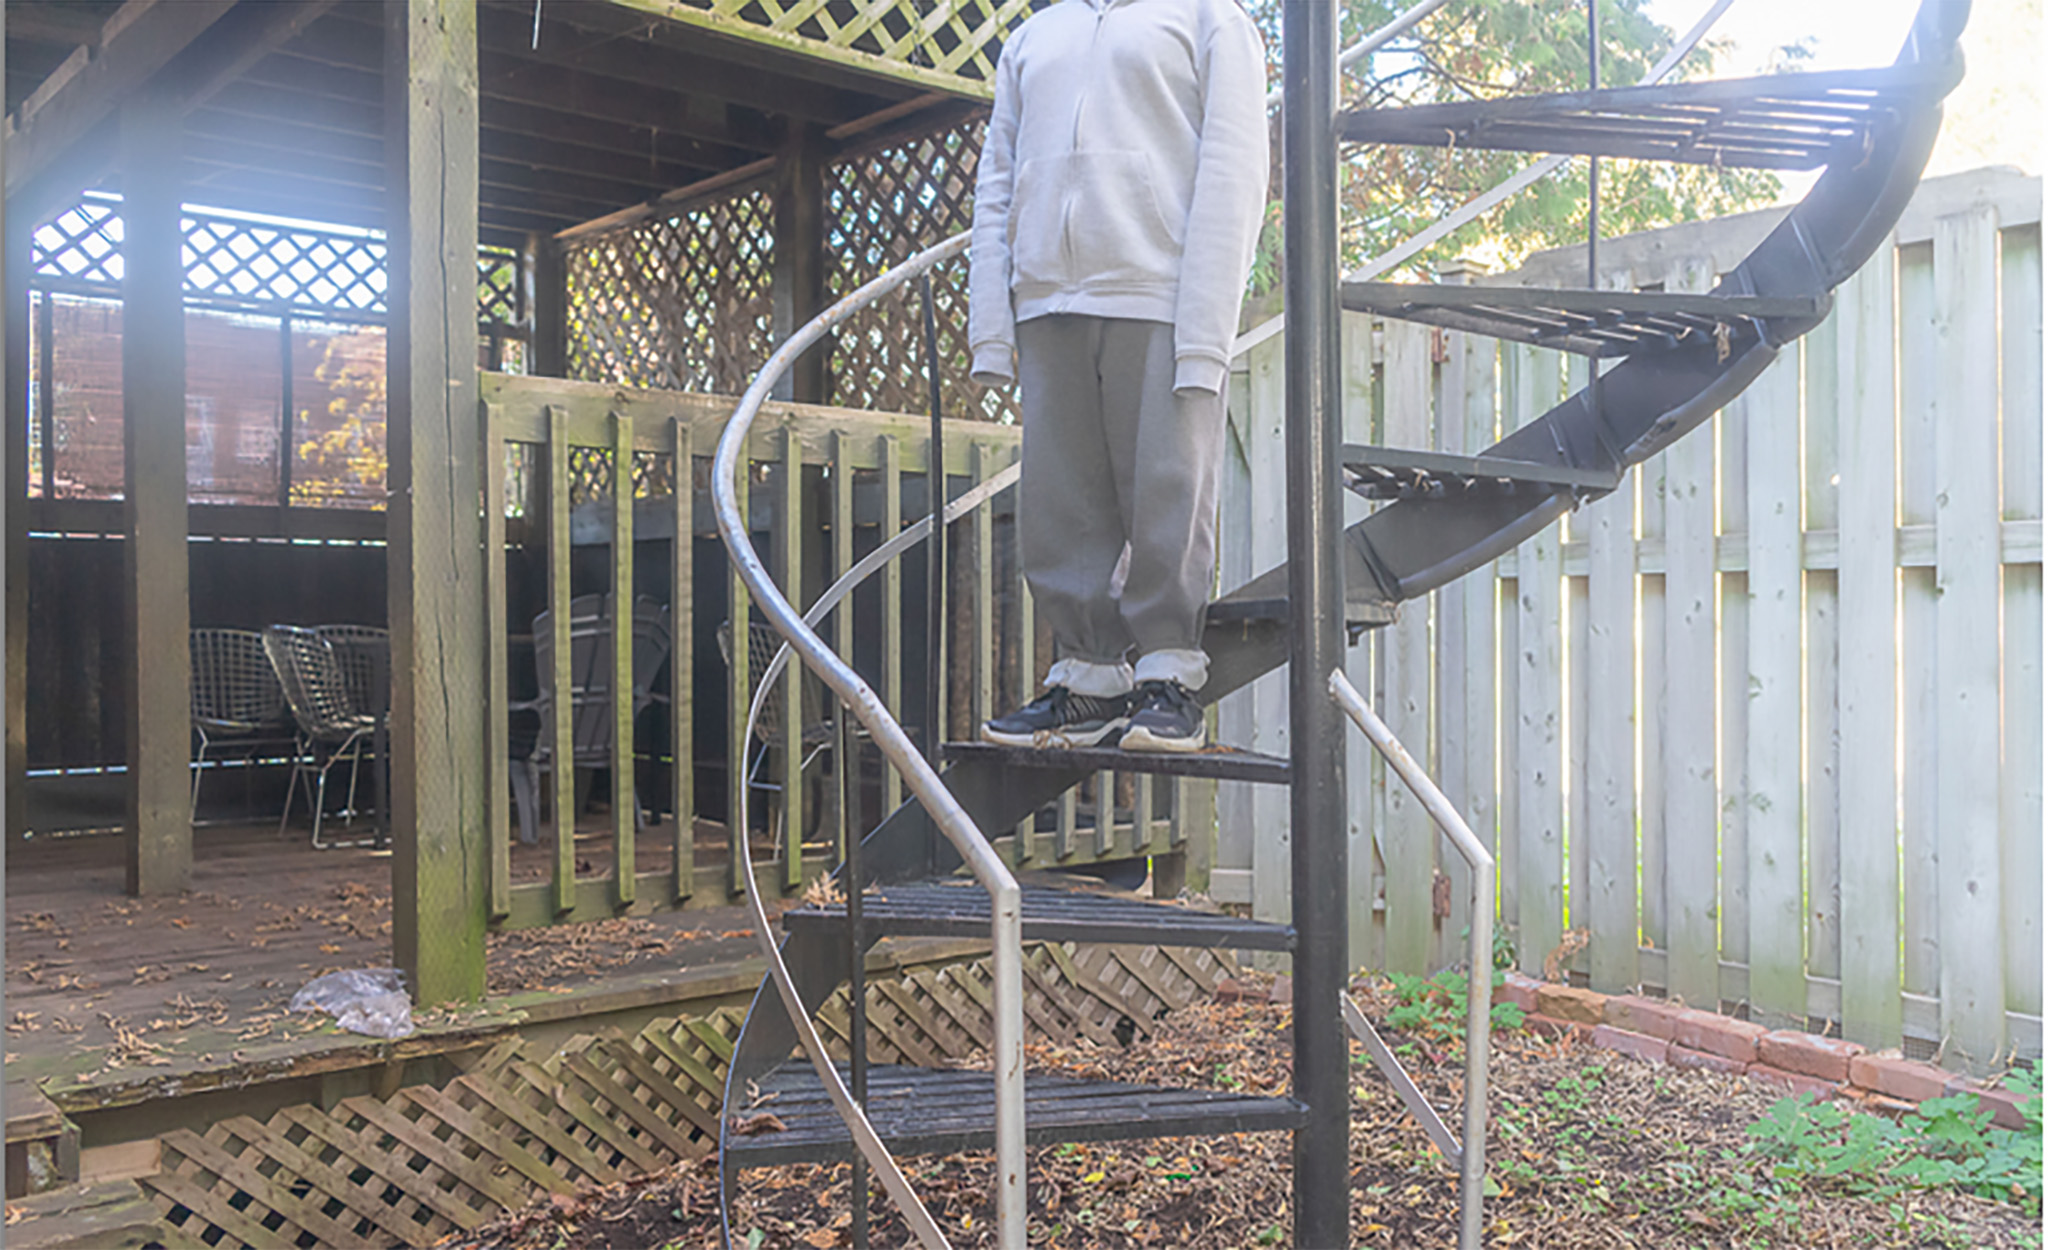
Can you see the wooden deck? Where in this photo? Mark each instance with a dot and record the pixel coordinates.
(111, 998)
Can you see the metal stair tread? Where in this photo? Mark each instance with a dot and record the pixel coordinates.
(1605, 324)
(1779, 121)
(924, 1111)
(1401, 473)
(1221, 763)
(1050, 914)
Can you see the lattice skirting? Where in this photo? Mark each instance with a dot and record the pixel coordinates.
(520, 1122)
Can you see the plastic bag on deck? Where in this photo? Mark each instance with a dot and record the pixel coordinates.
(370, 1001)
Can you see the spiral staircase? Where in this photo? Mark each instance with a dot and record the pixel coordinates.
(1670, 361)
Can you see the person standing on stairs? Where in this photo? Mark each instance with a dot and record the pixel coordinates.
(1118, 203)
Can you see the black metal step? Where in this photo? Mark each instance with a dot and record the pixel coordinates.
(960, 909)
(1399, 473)
(1604, 324)
(1782, 121)
(925, 1111)
(1220, 763)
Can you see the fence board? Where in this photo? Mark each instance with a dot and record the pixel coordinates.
(1769, 413)
(1408, 839)
(682, 661)
(1966, 634)
(1732, 434)
(1690, 765)
(1820, 361)
(2020, 809)
(1920, 864)
(1539, 751)
(1868, 584)
(1610, 911)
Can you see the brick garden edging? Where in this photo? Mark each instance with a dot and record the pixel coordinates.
(1663, 1032)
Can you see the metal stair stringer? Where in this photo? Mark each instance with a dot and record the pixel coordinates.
(1647, 402)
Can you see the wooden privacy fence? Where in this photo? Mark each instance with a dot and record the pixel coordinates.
(824, 487)
(1762, 729)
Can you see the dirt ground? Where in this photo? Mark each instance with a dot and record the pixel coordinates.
(1585, 1149)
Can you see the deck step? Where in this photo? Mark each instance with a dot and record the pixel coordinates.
(1399, 473)
(1781, 121)
(1051, 914)
(1605, 324)
(926, 1111)
(1219, 763)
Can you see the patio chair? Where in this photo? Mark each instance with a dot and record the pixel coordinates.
(590, 667)
(236, 699)
(763, 641)
(331, 726)
(362, 651)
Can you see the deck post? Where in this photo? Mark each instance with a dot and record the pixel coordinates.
(799, 273)
(14, 236)
(159, 712)
(1322, 1081)
(547, 302)
(440, 872)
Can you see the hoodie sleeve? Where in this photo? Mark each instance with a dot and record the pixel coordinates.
(991, 318)
(1228, 206)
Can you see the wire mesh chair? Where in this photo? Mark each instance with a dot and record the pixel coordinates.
(362, 651)
(590, 701)
(236, 698)
(331, 727)
(763, 641)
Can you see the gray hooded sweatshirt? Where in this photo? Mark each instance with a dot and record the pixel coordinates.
(1124, 175)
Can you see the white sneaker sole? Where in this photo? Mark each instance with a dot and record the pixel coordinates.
(1139, 738)
(1052, 739)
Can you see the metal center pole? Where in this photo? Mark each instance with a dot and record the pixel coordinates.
(1322, 1173)
(935, 553)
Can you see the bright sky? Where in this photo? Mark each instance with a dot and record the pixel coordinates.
(1994, 117)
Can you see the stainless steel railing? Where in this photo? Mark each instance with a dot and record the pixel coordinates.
(1470, 1155)
(1006, 925)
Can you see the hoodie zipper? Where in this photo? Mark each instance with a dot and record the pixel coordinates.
(1067, 262)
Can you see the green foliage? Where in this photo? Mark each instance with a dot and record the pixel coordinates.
(1434, 1008)
(1482, 49)
(1946, 1143)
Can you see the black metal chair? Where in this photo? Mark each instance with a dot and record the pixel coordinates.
(816, 731)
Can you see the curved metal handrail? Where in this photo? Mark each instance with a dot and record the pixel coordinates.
(1006, 926)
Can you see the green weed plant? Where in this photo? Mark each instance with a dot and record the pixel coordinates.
(1945, 1143)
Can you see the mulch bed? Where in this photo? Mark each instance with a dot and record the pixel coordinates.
(1586, 1149)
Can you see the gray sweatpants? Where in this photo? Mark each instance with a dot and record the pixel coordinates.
(1113, 456)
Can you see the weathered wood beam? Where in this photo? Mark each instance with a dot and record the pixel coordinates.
(159, 676)
(683, 13)
(507, 38)
(440, 873)
(136, 42)
(547, 276)
(14, 265)
(798, 287)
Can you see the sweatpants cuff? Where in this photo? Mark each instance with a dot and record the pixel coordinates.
(1189, 668)
(1087, 677)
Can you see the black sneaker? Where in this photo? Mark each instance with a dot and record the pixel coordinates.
(1165, 717)
(1061, 718)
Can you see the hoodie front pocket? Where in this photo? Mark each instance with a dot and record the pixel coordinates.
(1091, 217)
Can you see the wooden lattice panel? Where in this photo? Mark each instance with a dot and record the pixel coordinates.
(522, 1121)
(885, 207)
(682, 303)
(950, 44)
(498, 287)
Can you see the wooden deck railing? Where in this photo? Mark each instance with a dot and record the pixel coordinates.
(827, 485)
